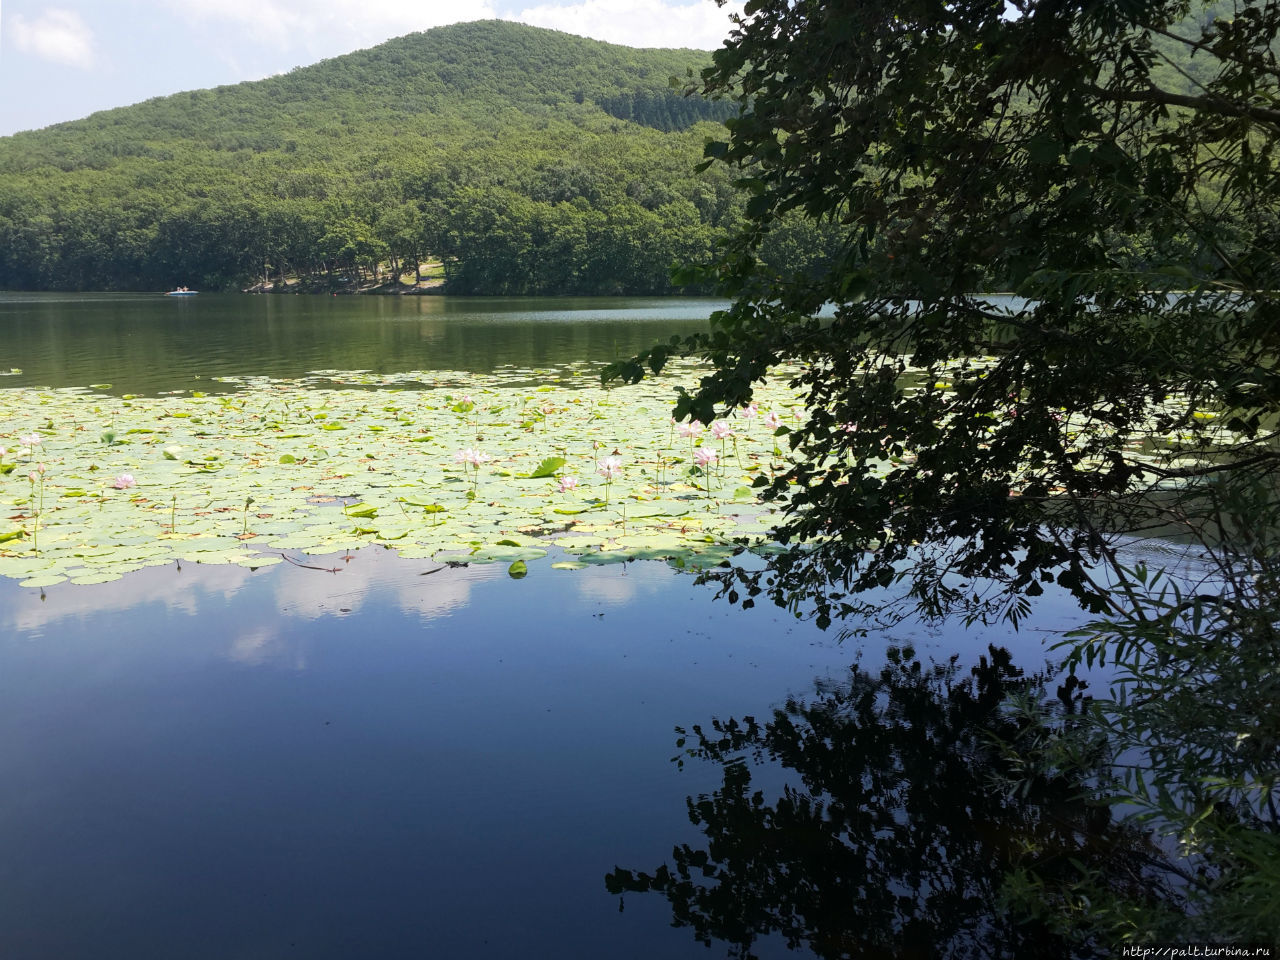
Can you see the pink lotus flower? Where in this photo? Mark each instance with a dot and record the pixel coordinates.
(30, 440)
(33, 476)
(690, 429)
(610, 468)
(471, 456)
(124, 481)
(721, 429)
(750, 411)
(568, 483)
(772, 421)
(705, 456)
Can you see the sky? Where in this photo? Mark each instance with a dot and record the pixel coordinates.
(66, 59)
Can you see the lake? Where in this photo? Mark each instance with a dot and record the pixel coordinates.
(359, 754)
(148, 344)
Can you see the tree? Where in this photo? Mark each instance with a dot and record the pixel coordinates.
(961, 148)
(1111, 165)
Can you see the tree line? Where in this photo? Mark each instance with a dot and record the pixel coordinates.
(525, 160)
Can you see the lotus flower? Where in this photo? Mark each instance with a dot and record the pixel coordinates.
(610, 468)
(705, 456)
(750, 411)
(124, 481)
(471, 456)
(30, 440)
(568, 483)
(721, 429)
(772, 421)
(690, 429)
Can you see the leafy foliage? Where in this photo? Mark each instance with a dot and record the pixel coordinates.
(1196, 658)
(958, 150)
(529, 161)
(1113, 166)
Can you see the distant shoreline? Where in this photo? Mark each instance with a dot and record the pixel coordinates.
(425, 289)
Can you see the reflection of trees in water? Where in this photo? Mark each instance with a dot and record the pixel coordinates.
(902, 837)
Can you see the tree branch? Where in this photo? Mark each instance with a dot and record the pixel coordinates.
(1207, 103)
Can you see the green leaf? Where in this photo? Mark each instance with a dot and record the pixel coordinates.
(426, 507)
(548, 467)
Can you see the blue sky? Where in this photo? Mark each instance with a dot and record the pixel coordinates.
(69, 58)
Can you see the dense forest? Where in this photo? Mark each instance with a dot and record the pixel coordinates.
(524, 160)
(521, 160)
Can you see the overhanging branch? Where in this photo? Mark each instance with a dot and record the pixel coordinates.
(1208, 103)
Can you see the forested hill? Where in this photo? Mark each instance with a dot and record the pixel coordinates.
(525, 159)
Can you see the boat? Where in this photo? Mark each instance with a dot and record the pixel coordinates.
(182, 292)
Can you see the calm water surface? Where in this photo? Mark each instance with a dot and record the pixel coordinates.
(149, 343)
(382, 758)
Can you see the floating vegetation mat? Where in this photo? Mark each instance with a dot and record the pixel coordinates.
(458, 467)
(455, 466)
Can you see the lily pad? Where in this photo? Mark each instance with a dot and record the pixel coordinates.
(548, 467)
(268, 444)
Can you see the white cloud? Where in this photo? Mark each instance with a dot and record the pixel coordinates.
(700, 24)
(57, 35)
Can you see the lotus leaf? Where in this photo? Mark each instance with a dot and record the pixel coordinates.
(264, 443)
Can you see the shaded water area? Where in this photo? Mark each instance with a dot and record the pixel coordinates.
(375, 756)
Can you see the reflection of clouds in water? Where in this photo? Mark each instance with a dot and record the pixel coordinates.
(311, 594)
(253, 647)
(620, 584)
(177, 590)
(302, 593)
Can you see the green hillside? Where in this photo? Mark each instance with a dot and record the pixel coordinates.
(527, 160)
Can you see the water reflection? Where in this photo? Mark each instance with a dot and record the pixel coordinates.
(286, 762)
(891, 831)
(150, 345)
(336, 585)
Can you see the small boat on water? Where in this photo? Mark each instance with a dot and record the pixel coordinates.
(182, 292)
